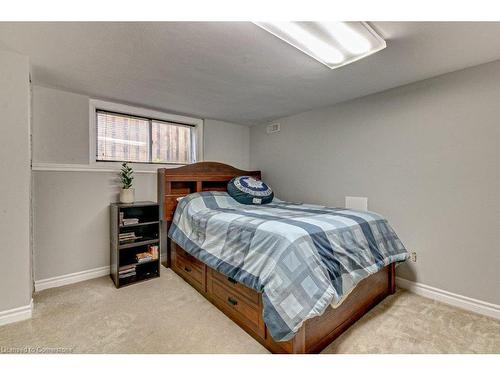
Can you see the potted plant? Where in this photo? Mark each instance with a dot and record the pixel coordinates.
(127, 192)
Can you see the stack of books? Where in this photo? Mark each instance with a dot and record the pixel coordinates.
(130, 221)
(129, 236)
(144, 257)
(126, 271)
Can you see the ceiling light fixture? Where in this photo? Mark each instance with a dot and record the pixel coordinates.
(332, 43)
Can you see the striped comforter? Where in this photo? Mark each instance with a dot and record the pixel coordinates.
(301, 257)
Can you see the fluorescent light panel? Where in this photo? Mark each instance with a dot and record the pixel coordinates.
(332, 43)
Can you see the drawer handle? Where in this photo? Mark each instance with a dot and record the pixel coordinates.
(187, 269)
(231, 280)
(232, 301)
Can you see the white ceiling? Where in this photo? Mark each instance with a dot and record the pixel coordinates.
(235, 71)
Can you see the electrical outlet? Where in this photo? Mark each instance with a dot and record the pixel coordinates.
(413, 256)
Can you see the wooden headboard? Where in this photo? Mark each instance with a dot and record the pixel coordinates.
(204, 176)
(178, 182)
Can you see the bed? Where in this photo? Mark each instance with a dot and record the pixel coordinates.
(271, 268)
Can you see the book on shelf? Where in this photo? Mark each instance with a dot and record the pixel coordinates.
(130, 221)
(126, 234)
(127, 268)
(151, 254)
(143, 257)
(127, 271)
(129, 236)
(124, 275)
(132, 270)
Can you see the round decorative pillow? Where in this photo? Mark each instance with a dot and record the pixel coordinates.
(248, 190)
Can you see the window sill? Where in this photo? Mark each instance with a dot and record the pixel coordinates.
(107, 167)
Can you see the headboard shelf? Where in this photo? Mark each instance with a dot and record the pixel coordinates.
(213, 186)
(182, 188)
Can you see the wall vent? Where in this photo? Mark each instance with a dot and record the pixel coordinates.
(273, 128)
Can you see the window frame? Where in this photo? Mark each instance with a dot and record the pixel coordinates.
(128, 110)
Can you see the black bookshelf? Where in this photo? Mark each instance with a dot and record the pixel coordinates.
(142, 237)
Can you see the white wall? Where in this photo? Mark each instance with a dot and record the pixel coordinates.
(15, 276)
(427, 157)
(60, 127)
(71, 208)
(227, 143)
(71, 219)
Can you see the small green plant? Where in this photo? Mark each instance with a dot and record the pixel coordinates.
(126, 176)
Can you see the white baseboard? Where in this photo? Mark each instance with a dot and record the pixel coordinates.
(466, 303)
(16, 315)
(71, 278)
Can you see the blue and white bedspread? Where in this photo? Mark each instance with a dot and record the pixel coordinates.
(301, 257)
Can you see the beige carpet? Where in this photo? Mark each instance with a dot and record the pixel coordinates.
(166, 315)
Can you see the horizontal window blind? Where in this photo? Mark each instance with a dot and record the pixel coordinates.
(122, 137)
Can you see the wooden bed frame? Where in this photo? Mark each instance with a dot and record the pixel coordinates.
(244, 305)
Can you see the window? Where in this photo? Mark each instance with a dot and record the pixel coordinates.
(122, 138)
(124, 133)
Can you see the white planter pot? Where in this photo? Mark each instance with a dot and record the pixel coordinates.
(127, 195)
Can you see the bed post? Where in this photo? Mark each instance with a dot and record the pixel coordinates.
(164, 242)
(392, 278)
(299, 341)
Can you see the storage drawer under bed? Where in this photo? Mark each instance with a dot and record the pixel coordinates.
(190, 268)
(231, 284)
(234, 302)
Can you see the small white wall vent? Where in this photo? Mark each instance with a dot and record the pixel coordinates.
(273, 128)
